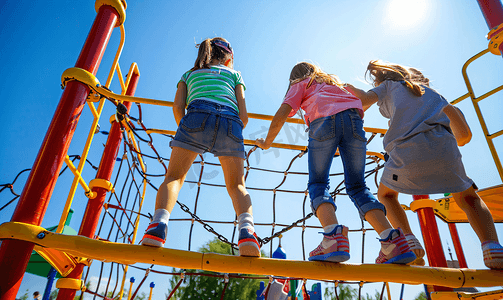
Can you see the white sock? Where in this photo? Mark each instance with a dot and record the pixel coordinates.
(410, 236)
(161, 215)
(384, 234)
(329, 228)
(245, 220)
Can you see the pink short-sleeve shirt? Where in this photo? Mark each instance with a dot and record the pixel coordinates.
(320, 100)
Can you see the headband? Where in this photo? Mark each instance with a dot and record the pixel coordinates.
(223, 45)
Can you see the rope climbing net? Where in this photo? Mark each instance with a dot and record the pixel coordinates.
(123, 208)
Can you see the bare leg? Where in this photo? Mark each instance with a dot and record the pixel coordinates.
(478, 214)
(233, 168)
(378, 220)
(396, 214)
(180, 162)
(326, 214)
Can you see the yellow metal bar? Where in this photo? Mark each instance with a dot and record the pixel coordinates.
(389, 292)
(130, 254)
(496, 134)
(115, 64)
(70, 283)
(279, 145)
(77, 174)
(457, 100)
(491, 295)
(80, 168)
(475, 101)
(133, 69)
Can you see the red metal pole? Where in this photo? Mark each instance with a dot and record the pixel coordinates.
(14, 255)
(493, 13)
(94, 206)
(457, 245)
(431, 237)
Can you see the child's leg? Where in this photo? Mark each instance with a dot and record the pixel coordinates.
(167, 195)
(482, 223)
(396, 214)
(478, 214)
(398, 218)
(233, 168)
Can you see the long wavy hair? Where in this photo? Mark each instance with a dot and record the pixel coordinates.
(379, 71)
(208, 51)
(305, 70)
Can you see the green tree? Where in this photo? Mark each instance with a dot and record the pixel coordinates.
(421, 296)
(25, 296)
(346, 292)
(207, 287)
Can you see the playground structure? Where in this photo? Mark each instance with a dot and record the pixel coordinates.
(81, 86)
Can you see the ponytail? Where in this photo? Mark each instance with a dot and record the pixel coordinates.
(203, 55)
(209, 50)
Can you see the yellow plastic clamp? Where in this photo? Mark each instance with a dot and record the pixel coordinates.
(102, 183)
(118, 5)
(495, 37)
(422, 203)
(81, 75)
(70, 283)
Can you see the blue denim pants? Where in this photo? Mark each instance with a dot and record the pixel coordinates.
(211, 127)
(343, 130)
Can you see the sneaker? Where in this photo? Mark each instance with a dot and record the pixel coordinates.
(334, 246)
(155, 235)
(415, 246)
(248, 243)
(493, 255)
(395, 249)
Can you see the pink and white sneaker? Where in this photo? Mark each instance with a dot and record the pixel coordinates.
(334, 246)
(395, 249)
(248, 243)
(493, 254)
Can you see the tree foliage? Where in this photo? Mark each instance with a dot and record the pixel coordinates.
(346, 292)
(208, 288)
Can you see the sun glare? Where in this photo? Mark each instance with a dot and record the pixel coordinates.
(404, 14)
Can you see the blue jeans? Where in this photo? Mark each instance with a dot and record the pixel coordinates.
(211, 127)
(345, 131)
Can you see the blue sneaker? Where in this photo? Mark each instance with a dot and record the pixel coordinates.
(248, 243)
(155, 235)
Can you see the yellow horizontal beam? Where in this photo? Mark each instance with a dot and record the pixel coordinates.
(491, 295)
(130, 254)
(274, 145)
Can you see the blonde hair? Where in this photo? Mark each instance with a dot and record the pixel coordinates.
(304, 70)
(208, 51)
(379, 71)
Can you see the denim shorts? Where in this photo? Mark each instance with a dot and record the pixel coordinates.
(210, 127)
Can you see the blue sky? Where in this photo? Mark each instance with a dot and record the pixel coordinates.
(42, 39)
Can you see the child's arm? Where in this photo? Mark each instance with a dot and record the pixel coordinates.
(459, 126)
(276, 124)
(240, 96)
(180, 100)
(367, 98)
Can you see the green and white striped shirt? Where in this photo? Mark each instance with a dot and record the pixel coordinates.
(215, 84)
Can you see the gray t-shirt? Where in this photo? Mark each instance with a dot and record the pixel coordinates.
(409, 114)
(423, 155)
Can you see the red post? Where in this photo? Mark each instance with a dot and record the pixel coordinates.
(431, 237)
(14, 255)
(493, 13)
(457, 245)
(94, 206)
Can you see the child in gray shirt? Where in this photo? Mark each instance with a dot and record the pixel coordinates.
(422, 143)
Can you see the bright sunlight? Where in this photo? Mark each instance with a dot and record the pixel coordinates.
(404, 14)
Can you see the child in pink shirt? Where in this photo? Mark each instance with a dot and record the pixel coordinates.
(334, 117)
